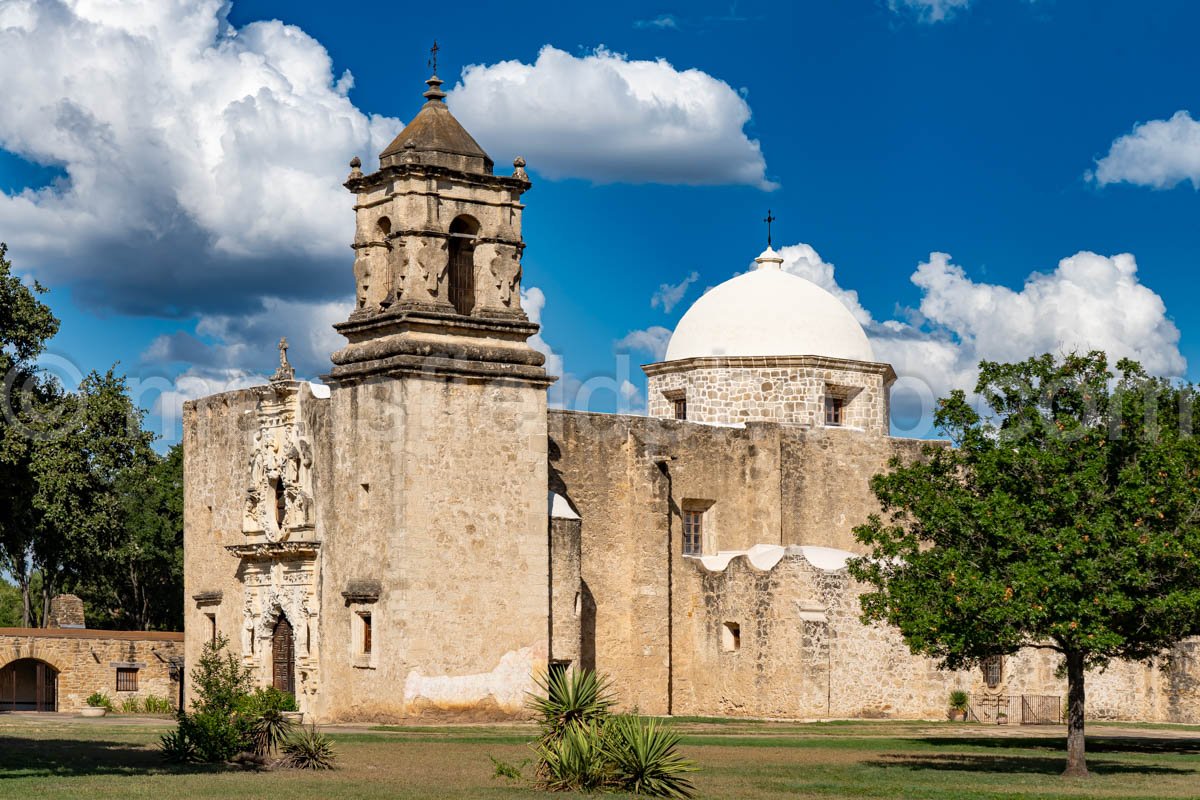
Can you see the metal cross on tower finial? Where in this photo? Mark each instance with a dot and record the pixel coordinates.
(769, 219)
(433, 51)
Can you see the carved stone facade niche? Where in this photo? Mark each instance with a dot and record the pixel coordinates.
(279, 489)
(281, 581)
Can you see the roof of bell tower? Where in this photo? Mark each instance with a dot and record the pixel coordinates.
(435, 137)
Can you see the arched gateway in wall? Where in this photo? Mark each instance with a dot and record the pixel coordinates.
(28, 684)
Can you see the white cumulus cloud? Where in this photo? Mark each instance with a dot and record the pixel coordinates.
(606, 118)
(196, 156)
(1161, 153)
(652, 340)
(1088, 302)
(669, 294)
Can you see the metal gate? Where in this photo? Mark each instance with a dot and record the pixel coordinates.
(1016, 709)
(1041, 709)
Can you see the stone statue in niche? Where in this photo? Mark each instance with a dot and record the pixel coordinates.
(433, 259)
(279, 497)
(506, 273)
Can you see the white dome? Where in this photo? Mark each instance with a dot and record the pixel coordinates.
(769, 312)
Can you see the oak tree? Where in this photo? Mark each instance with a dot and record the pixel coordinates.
(1066, 517)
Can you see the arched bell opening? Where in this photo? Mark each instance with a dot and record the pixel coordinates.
(28, 684)
(463, 231)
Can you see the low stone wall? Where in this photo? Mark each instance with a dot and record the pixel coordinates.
(87, 661)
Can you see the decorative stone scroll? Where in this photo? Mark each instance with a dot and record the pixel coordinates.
(506, 273)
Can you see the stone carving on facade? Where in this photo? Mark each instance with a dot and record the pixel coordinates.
(433, 259)
(506, 273)
(278, 497)
(281, 585)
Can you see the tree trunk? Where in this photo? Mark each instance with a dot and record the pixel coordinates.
(26, 603)
(1076, 755)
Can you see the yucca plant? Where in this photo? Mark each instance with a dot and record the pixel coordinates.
(575, 761)
(308, 749)
(643, 758)
(567, 699)
(268, 732)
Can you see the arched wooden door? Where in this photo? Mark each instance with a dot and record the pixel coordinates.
(28, 684)
(283, 657)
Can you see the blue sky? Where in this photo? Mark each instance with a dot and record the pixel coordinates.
(171, 172)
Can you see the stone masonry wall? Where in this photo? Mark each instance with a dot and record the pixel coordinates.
(87, 660)
(771, 389)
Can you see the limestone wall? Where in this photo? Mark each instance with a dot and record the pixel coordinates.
(438, 494)
(771, 389)
(87, 661)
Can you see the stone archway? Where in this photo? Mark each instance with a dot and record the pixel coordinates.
(28, 684)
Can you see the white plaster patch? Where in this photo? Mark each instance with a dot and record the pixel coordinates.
(560, 507)
(506, 684)
(765, 557)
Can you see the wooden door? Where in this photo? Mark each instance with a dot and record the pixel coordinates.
(283, 656)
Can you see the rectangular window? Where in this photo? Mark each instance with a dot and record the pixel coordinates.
(127, 679)
(833, 410)
(693, 532)
(679, 405)
(366, 641)
(212, 627)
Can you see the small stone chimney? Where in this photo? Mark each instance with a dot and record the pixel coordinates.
(66, 611)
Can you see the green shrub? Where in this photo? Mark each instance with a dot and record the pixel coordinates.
(268, 730)
(959, 700)
(308, 748)
(100, 700)
(579, 697)
(176, 746)
(503, 769)
(264, 699)
(583, 747)
(575, 761)
(227, 716)
(131, 705)
(643, 758)
(156, 705)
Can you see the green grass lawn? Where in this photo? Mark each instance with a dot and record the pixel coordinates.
(92, 759)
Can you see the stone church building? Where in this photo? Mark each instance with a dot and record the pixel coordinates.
(420, 535)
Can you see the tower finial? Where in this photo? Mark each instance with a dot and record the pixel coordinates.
(434, 93)
(285, 372)
(769, 219)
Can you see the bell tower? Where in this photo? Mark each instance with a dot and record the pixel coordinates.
(438, 416)
(437, 264)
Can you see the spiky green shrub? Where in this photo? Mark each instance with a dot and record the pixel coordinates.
(643, 759)
(177, 747)
(584, 747)
(268, 731)
(575, 761)
(578, 697)
(959, 700)
(308, 748)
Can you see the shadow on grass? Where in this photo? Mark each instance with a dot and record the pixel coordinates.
(1095, 744)
(29, 758)
(1030, 765)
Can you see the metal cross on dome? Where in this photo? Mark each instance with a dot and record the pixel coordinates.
(769, 219)
(433, 51)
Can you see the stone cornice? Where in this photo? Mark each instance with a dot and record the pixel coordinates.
(262, 550)
(397, 171)
(770, 362)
